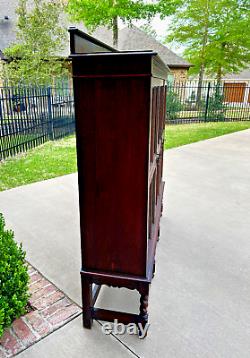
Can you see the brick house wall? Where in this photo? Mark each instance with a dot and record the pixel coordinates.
(180, 74)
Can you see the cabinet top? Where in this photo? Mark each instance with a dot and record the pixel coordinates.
(93, 57)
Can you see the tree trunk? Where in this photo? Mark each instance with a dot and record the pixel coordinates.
(219, 70)
(200, 82)
(115, 31)
(203, 60)
(219, 75)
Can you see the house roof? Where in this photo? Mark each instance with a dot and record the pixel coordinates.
(133, 38)
(243, 75)
(7, 23)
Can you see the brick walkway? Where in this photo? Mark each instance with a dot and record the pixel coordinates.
(51, 310)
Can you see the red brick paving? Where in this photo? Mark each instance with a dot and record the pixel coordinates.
(47, 301)
(52, 309)
(23, 332)
(10, 343)
(38, 323)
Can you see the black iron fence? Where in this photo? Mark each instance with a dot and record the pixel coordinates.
(189, 103)
(31, 115)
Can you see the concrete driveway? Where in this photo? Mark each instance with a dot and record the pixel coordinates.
(200, 297)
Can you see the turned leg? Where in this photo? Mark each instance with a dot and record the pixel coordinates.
(87, 302)
(153, 270)
(159, 233)
(143, 317)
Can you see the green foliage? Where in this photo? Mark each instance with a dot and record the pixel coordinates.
(173, 104)
(216, 106)
(169, 7)
(213, 106)
(95, 13)
(190, 27)
(228, 49)
(13, 278)
(40, 37)
(215, 33)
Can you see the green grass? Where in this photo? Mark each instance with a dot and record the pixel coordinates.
(11, 140)
(57, 158)
(49, 160)
(177, 135)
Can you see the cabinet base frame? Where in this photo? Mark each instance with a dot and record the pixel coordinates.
(92, 282)
(91, 286)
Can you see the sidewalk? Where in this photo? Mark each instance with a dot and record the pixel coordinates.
(199, 299)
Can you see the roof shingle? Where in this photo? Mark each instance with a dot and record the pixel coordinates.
(133, 38)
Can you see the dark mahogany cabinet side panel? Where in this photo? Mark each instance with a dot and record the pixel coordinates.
(112, 140)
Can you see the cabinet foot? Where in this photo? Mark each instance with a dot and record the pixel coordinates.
(159, 233)
(143, 316)
(153, 275)
(87, 323)
(87, 303)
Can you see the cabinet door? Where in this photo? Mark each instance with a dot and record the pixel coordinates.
(157, 124)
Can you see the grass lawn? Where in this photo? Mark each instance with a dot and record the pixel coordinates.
(180, 134)
(47, 161)
(57, 158)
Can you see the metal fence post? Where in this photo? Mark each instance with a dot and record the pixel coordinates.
(207, 101)
(1, 112)
(50, 116)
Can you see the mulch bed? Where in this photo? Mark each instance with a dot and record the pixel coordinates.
(49, 309)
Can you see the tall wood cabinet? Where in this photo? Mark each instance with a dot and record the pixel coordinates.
(120, 102)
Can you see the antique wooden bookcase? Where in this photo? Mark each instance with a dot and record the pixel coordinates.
(120, 116)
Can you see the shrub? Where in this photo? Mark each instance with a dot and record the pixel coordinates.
(216, 106)
(173, 105)
(13, 278)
